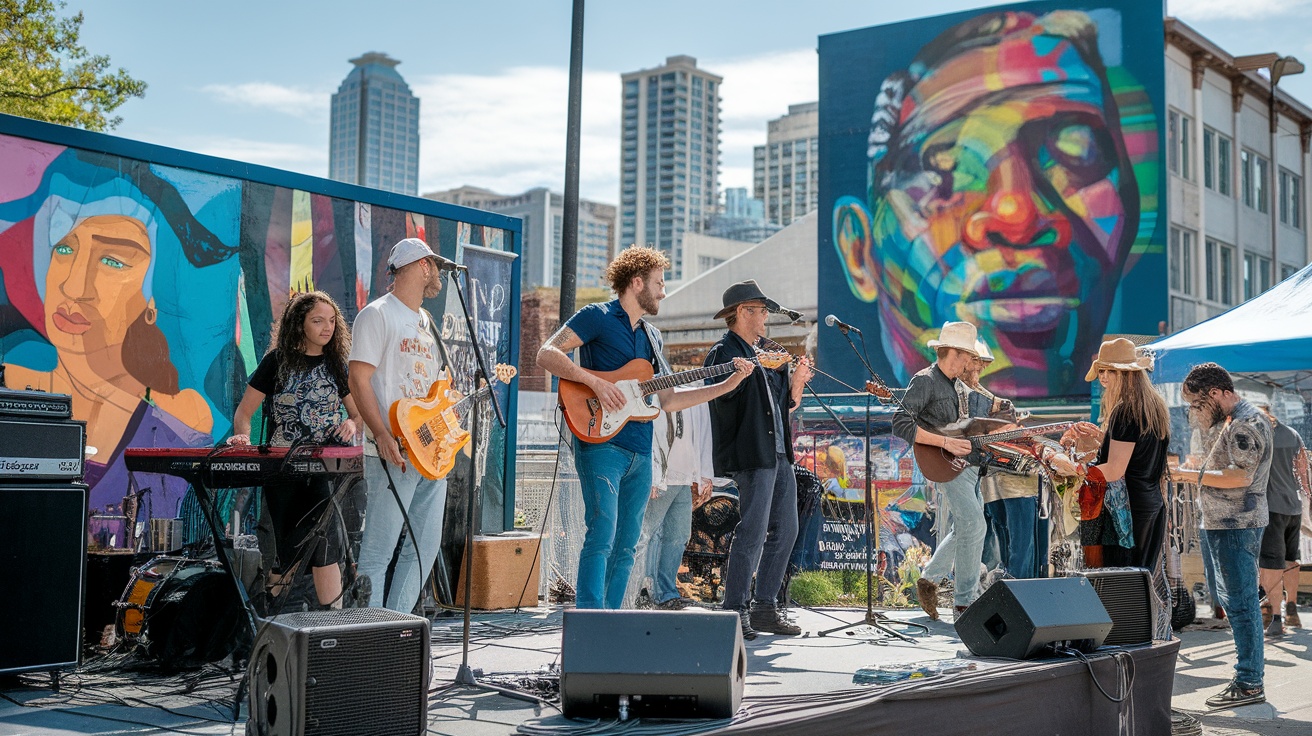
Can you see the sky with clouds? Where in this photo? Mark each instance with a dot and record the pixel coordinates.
(252, 80)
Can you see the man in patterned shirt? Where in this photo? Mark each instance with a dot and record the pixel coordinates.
(1237, 438)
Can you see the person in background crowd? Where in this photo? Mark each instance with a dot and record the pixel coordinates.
(1011, 501)
(301, 382)
(935, 401)
(681, 472)
(1278, 560)
(754, 446)
(1232, 497)
(1132, 444)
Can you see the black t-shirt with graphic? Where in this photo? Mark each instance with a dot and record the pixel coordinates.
(307, 409)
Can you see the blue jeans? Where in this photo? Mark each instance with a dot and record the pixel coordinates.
(1234, 559)
(665, 532)
(963, 548)
(763, 539)
(616, 483)
(1011, 523)
(425, 504)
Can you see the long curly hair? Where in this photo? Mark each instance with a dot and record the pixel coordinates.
(289, 338)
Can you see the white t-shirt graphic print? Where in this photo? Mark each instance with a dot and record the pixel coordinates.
(399, 343)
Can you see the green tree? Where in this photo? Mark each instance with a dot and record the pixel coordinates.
(45, 74)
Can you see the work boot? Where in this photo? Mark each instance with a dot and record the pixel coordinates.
(767, 619)
(745, 622)
(1276, 628)
(1291, 615)
(927, 592)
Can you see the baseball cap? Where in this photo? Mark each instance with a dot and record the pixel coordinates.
(408, 251)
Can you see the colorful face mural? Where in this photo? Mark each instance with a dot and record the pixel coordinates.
(148, 293)
(1010, 181)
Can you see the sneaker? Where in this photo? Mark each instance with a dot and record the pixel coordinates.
(1291, 616)
(927, 592)
(674, 604)
(768, 620)
(745, 621)
(1275, 628)
(1267, 612)
(643, 600)
(1234, 696)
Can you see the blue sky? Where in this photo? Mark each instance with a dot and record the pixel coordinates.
(252, 81)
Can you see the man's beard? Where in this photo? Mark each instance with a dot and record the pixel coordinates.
(649, 303)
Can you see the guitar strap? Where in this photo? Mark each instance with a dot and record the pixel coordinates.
(437, 335)
(657, 348)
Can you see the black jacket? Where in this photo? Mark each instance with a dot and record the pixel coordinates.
(742, 425)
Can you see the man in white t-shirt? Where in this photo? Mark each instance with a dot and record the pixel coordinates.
(394, 355)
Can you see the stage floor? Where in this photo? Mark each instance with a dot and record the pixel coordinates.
(515, 647)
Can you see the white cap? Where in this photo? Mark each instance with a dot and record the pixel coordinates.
(408, 251)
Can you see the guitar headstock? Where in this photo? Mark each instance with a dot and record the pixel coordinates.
(504, 373)
(879, 390)
(773, 360)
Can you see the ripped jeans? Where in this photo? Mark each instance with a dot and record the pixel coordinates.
(616, 484)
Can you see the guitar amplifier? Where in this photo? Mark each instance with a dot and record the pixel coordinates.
(35, 404)
(41, 449)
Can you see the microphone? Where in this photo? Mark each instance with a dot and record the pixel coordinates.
(792, 314)
(844, 327)
(446, 264)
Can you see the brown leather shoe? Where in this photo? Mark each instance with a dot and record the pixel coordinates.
(927, 591)
(1291, 615)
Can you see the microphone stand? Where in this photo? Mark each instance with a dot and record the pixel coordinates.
(465, 675)
(874, 518)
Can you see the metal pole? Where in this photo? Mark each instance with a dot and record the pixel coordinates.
(569, 235)
(1274, 189)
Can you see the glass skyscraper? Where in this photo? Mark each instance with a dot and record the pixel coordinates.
(670, 156)
(374, 141)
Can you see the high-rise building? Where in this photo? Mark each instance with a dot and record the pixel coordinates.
(743, 219)
(543, 214)
(670, 155)
(738, 204)
(374, 141)
(786, 170)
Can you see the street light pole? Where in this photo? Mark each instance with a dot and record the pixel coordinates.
(569, 235)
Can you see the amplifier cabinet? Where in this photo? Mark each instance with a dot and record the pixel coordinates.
(41, 449)
(35, 404)
(506, 569)
(43, 564)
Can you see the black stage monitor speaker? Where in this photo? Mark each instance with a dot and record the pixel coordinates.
(357, 671)
(1018, 618)
(42, 570)
(661, 664)
(1127, 595)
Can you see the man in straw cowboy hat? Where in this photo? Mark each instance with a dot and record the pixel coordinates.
(937, 401)
(754, 446)
(1232, 495)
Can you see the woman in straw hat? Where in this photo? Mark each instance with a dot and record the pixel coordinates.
(1131, 442)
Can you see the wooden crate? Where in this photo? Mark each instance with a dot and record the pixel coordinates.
(502, 564)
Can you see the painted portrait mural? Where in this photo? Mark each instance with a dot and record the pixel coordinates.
(148, 292)
(998, 167)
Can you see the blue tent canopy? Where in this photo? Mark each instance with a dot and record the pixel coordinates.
(1269, 337)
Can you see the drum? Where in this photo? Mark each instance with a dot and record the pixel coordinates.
(181, 612)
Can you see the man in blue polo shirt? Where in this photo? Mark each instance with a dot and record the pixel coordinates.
(616, 475)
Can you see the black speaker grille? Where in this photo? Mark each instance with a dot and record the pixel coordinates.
(340, 618)
(370, 681)
(1125, 596)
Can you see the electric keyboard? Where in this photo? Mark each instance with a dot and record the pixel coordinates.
(244, 465)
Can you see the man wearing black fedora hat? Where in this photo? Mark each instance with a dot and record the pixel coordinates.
(753, 445)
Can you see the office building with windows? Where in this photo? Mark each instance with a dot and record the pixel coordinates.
(786, 170)
(669, 155)
(543, 214)
(374, 135)
(1237, 184)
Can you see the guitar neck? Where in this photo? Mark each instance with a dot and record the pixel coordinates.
(1016, 434)
(660, 383)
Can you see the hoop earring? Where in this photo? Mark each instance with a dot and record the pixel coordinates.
(151, 313)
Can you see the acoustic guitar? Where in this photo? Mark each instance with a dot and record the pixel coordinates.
(591, 422)
(941, 466)
(432, 428)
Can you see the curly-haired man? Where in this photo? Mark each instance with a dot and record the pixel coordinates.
(616, 475)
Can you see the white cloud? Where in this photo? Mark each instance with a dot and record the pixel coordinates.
(297, 157)
(303, 103)
(756, 90)
(1198, 10)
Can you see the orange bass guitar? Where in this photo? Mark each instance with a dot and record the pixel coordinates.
(432, 429)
